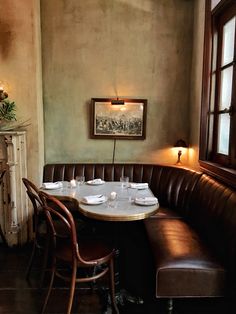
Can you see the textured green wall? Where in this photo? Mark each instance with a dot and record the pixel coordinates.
(107, 48)
(20, 73)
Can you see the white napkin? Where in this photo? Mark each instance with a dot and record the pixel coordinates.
(96, 181)
(52, 185)
(139, 185)
(94, 199)
(146, 200)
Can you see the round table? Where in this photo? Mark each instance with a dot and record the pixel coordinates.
(122, 209)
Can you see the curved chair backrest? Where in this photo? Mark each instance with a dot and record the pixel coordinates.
(30, 186)
(55, 212)
(33, 194)
(40, 230)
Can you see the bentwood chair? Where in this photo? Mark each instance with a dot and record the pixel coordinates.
(87, 259)
(40, 240)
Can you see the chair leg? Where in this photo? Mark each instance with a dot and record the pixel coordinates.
(72, 288)
(31, 261)
(3, 237)
(44, 264)
(50, 285)
(112, 287)
(170, 306)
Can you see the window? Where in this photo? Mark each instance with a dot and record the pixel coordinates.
(218, 119)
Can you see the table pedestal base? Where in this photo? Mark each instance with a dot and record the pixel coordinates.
(123, 296)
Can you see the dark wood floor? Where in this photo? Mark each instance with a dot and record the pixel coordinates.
(17, 296)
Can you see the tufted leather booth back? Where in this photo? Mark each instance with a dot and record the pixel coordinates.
(172, 185)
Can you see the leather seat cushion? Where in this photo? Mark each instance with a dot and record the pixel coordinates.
(184, 266)
(164, 212)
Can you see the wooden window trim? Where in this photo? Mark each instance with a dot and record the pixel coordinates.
(222, 173)
(225, 175)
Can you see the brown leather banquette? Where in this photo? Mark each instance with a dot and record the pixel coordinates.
(193, 236)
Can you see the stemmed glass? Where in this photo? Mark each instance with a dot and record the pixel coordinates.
(80, 180)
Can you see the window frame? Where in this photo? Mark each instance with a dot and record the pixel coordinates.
(211, 162)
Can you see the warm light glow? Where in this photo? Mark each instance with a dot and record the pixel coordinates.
(176, 149)
(181, 155)
(5, 86)
(159, 156)
(192, 153)
(165, 156)
(193, 157)
(119, 107)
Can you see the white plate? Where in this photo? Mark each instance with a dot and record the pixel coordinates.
(53, 186)
(139, 187)
(97, 202)
(92, 182)
(145, 203)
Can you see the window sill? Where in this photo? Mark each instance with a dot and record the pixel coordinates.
(225, 175)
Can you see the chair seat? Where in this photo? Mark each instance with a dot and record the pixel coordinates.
(89, 249)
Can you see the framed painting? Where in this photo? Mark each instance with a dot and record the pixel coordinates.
(118, 118)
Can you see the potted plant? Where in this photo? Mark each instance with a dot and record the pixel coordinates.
(7, 108)
(8, 119)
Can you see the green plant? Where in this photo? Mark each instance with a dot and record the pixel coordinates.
(7, 110)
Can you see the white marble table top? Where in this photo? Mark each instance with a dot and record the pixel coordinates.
(122, 209)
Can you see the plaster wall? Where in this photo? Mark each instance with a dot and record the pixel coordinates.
(20, 73)
(124, 48)
(196, 82)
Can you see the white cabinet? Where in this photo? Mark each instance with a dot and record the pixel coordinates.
(15, 217)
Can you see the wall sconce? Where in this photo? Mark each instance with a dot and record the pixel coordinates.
(117, 102)
(180, 144)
